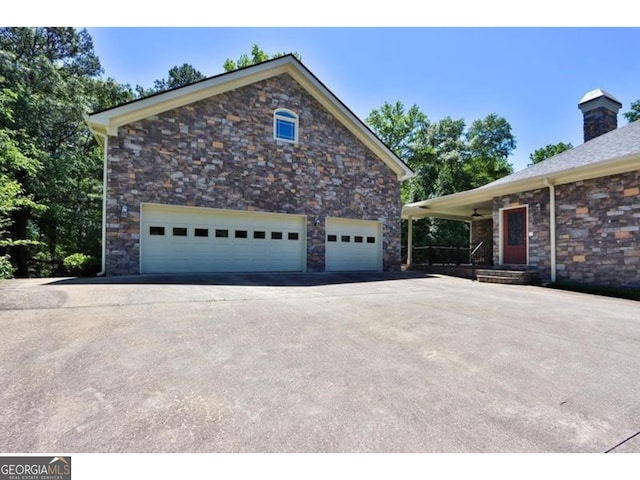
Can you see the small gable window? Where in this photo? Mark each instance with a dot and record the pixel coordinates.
(285, 125)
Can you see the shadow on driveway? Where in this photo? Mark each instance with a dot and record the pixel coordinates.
(250, 279)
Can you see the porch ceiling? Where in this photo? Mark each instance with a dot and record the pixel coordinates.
(460, 210)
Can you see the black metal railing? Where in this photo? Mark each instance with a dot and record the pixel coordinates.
(440, 255)
(474, 259)
(473, 254)
(481, 253)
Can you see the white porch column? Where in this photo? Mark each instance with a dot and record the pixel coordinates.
(410, 241)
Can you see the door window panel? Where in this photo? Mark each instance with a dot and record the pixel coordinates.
(516, 228)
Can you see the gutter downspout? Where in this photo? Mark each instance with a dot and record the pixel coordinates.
(105, 139)
(552, 226)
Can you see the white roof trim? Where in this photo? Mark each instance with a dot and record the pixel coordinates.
(427, 208)
(108, 121)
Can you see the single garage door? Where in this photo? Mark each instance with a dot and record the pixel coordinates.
(190, 240)
(353, 245)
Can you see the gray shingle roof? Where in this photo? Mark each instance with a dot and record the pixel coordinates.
(619, 143)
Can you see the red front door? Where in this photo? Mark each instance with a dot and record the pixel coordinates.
(514, 236)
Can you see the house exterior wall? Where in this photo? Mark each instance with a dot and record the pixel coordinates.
(220, 153)
(538, 229)
(598, 231)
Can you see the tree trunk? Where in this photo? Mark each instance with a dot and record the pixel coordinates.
(19, 253)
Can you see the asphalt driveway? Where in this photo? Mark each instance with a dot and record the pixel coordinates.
(315, 363)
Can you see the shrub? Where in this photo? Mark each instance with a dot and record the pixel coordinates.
(45, 264)
(6, 269)
(79, 264)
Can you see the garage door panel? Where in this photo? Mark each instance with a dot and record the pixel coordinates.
(353, 245)
(219, 248)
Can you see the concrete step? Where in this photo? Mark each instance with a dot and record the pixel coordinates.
(505, 277)
(502, 273)
(462, 271)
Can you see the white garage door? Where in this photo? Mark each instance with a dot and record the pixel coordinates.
(190, 240)
(353, 245)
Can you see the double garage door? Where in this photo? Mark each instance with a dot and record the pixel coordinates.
(191, 240)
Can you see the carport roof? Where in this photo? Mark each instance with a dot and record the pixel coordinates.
(615, 152)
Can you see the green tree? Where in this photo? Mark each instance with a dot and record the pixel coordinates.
(52, 73)
(399, 129)
(107, 93)
(446, 157)
(633, 114)
(15, 166)
(447, 141)
(177, 77)
(490, 143)
(549, 151)
(403, 131)
(435, 152)
(444, 174)
(257, 56)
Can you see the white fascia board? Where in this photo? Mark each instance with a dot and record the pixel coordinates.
(451, 209)
(98, 133)
(454, 200)
(605, 168)
(468, 197)
(427, 212)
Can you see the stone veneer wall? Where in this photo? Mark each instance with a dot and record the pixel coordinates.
(220, 152)
(598, 231)
(599, 121)
(538, 230)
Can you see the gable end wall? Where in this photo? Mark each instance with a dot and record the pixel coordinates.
(220, 153)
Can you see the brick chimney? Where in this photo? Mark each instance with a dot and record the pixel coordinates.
(600, 110)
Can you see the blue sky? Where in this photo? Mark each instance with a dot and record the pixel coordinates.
(463, 59)
(534, 77)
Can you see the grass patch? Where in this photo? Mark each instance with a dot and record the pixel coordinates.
(617, 292)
